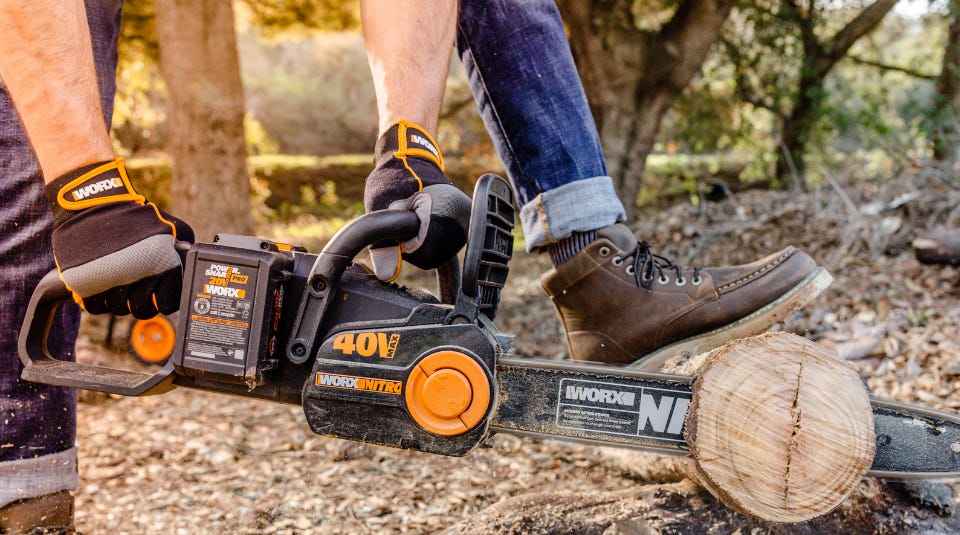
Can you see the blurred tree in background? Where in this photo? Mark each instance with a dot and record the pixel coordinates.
(782, 52)
(635, 58)
(946, 112)
(198, 53)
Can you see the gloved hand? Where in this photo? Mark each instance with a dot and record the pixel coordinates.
(115, 251)
(409, 176)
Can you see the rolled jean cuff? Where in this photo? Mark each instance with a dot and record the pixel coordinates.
(580, 206)
(37, 476)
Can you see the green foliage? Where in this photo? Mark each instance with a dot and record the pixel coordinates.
(139, 104)
(860, 108)
(764, 49)
(707, 118)
(258, 140)
(868, 107)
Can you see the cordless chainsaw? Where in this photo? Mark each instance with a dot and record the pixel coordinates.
(383, 364)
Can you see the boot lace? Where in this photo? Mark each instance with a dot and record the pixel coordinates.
(646, 263)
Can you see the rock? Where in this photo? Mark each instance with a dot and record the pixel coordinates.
(931, 495)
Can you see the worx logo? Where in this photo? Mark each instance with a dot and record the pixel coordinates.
(96, 187)
(652, 409)
(359, 383)
(224, 291)
(420, 140)
(600, 395)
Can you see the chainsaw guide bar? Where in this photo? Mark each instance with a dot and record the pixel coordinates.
(612, 406)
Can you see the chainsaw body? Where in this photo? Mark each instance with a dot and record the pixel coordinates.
(367, 360)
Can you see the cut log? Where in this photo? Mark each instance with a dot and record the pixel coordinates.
(779, 428)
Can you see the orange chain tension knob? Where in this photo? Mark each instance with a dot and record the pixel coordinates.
(448, 393)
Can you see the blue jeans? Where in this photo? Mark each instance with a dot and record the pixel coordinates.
(38, 422)
(529, 94)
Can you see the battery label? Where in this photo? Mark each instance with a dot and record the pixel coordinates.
(619, 409)
(220, 315)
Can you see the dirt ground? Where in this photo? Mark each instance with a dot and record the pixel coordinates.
(189, 462)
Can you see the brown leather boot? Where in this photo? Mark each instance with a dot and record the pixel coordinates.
(621, 303)
(48, 514)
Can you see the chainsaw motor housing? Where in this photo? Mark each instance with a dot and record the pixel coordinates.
(425, 380)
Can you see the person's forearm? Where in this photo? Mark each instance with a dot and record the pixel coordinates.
(408, 44)
(46, 62)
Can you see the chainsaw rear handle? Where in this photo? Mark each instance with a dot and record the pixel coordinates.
(40, 365)
(46, 299)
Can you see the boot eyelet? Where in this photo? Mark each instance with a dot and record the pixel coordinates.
(646, 278)
(604, 251)
(663, 279)
(630, 270)
(697, 280)
(617, 261)
(681, 281)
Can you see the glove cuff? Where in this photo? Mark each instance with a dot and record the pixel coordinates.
(88, 186)
(407, 139)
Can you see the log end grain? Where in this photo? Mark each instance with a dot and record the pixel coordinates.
(779, 428)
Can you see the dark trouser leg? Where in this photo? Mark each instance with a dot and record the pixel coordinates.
(38, 424)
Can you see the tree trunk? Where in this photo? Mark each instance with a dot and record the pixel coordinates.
(791, 164)
(818, 60)
(946, 118)
(632, 77)
(198, 54)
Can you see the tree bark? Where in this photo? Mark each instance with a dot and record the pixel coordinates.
(946, 118)
(818, 60)
(198, 56)
(633, 76)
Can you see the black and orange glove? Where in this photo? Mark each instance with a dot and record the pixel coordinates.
(409, 176)
(115, 251)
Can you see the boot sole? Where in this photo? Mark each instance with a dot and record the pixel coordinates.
(751, 325)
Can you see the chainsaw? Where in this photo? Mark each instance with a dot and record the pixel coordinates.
(383, 364)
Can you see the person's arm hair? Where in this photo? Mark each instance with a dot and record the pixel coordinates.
(46, 62)
(408, 46)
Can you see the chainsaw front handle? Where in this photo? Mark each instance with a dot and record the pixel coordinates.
(336, 256)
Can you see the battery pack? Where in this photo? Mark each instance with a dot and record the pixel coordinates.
(233, 294)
